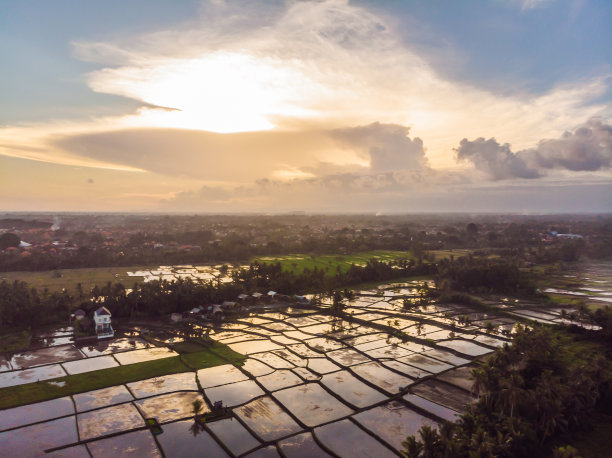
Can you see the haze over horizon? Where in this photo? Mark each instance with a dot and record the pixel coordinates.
(317, 106)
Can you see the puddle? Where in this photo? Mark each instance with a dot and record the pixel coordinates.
(168, 407)
(235, 393)
(33, 440)
(254, 346)
(393, 422)
(347, 357)
(233, 435)
(382, 377)
(345, 438)
(266, 419)
(165, 384)
(43, 356)
(31, 375)
(352, 390)
(146, 354)
(301, 446)
(101, 398)
(90, 364)
(436, 409)
(220, 375)
(33, 413)
(108, 421)
(322, 365)
(279, 379)
(178, 440)
(255, 368)
(311, 404)
(137, 444)
(105, 347)
(442, 393)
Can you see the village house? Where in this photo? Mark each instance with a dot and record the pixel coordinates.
(102, 322)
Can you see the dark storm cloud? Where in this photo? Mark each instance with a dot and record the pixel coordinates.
(588, 148)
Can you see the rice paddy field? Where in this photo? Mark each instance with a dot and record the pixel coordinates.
(296, 263)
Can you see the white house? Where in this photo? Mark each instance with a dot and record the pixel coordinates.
(102, 321)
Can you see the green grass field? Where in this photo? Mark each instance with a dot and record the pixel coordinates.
(215, 355)
(56, 280)
(296, 263)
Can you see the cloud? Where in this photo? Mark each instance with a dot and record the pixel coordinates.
(496, 160)
(387, 146)
(587, 148)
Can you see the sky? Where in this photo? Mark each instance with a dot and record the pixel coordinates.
(223, 106)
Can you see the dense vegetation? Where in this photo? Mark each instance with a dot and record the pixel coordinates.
(545, 384)
(22, 306)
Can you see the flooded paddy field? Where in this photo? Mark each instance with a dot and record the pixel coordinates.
(312, 384)
(590, 282)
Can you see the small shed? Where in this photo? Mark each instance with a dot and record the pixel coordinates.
(79, 314)
(217, 312)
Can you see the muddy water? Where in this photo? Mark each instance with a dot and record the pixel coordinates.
(33, 413)
(33, 440)
(220, 375)
(279, 379)
(436, 409)
(168, 407)
(31, 375)
(301, 446)
(165, 384)
(266, 419)
(136, 444)
(393, 422)
(101, 398)
(345, 438)
(311, 404)
(179, 441)
(233, 435)
(382, 377)
(90, 364)
(352, 390)
(235, 393)
(43, 356)
(110, 420)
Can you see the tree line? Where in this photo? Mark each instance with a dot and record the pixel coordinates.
(24, 306)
